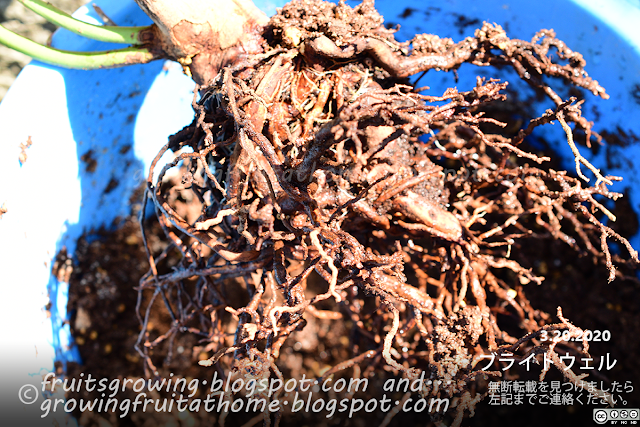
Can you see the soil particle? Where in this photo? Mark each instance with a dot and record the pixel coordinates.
(620, 138)
(635, 93)
(407, 12)
(125, 149)
(90, 162)
(113, 183)
(462, 23)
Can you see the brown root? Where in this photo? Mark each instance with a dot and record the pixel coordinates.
(314, 194)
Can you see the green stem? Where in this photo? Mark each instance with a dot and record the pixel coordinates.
(126, 35)
(81, 60)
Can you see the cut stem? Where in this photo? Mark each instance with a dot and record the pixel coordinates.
(79, 60)
(126, 35)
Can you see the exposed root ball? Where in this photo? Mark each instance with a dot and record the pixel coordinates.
(317, 187)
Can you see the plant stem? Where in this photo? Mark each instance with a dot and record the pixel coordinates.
(205, 35)
(126, 35)
(81, 60)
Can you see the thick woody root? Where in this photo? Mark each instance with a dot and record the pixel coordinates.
(317, 184)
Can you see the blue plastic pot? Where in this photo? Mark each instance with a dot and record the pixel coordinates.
(121, 117)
